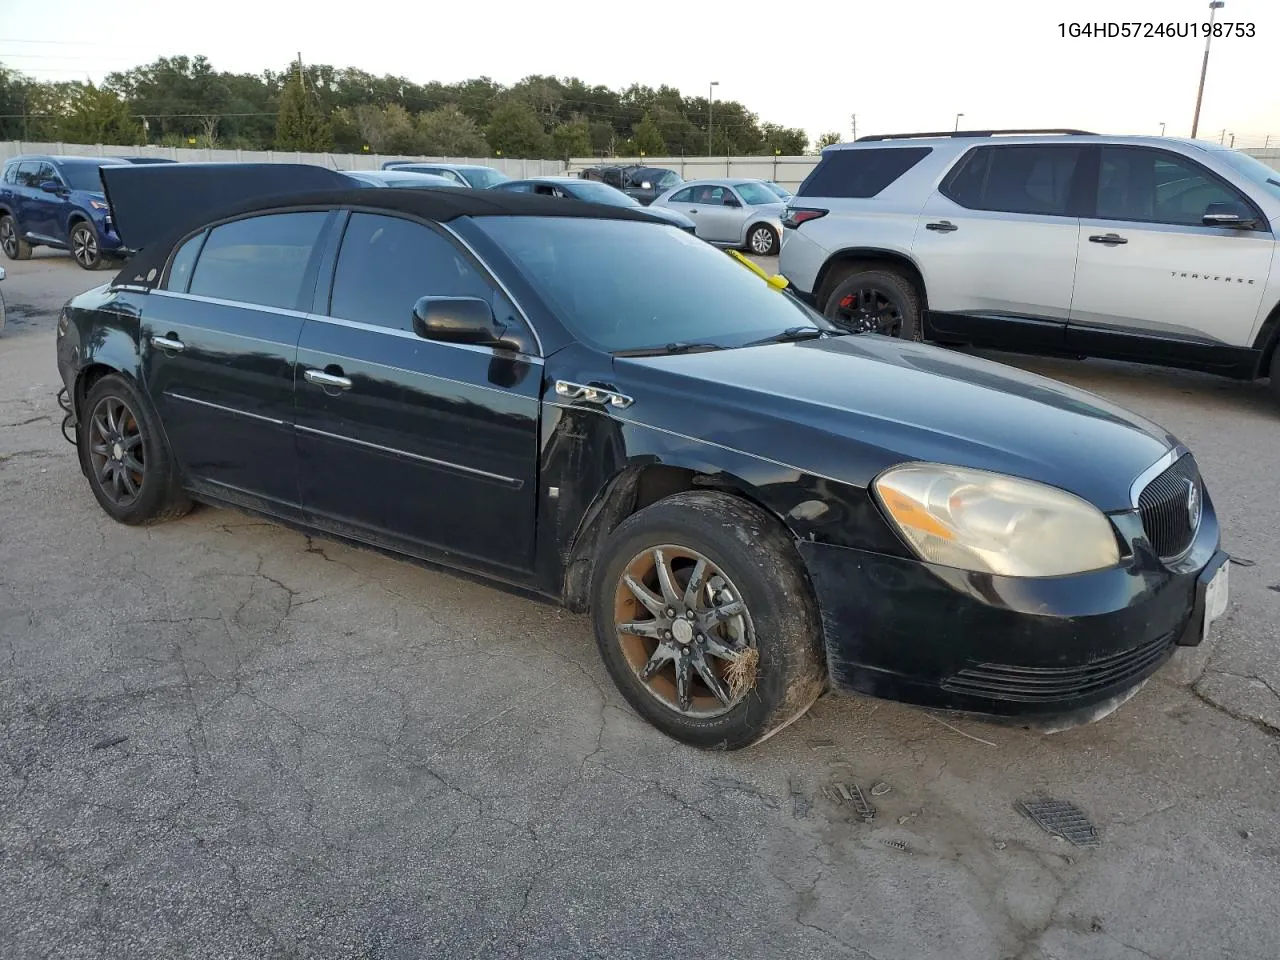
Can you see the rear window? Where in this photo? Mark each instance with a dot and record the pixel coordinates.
(860, 173)
(260, 260)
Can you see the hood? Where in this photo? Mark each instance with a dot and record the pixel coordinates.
(671, 216)
(848, 407)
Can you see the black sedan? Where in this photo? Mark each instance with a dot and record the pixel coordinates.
(580, 402)
(592, 191)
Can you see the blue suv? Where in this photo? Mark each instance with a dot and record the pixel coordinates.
(57, 202)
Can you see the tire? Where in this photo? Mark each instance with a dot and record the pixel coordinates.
(762, 240)
(11, 242)
(86, 250)
(876, 300)
(749, 558)
(108, 446)
(1275, 373)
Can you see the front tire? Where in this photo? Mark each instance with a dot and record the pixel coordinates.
(706, 622)
(1275, 373)
(11, 242)
(762, 240)
(874, 300)
(124, 455)
(85, 247)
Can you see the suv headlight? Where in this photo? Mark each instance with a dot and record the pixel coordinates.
(990, 523)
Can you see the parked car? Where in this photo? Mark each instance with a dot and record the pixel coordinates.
(594, 406)
(644, 184)
(779, 190)
(51, 201)
(1150, 249)
(404, 179)
(743, 214)
(466, 174)
(592, 191)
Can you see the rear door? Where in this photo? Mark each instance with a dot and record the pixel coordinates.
(1152, 279)
(219, 343)
(997, 244)
(425, 446)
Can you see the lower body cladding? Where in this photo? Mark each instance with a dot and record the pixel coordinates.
(1052, 651)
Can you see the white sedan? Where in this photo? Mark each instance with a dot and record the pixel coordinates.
(733, 212)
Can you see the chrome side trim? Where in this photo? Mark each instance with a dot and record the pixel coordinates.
(1153, 471)
(131, 287)
(511, 482)
(506, 291)
(578, 391)
(410, 335)
(230, 410)
(240, 304)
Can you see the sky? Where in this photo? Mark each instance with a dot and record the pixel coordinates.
(899, 65)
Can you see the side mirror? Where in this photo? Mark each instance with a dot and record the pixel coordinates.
(51, 186)
(457, 320)
(1229, 215)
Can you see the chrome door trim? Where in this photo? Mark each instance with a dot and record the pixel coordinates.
(232, 410)
(511, 482)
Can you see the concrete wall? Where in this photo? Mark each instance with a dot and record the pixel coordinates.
(788, 171)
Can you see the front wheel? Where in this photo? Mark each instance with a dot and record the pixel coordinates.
(762, 240)
(85, 247)
(876, 301)
(706, 622)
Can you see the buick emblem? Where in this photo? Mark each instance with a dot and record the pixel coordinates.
(1194, 504)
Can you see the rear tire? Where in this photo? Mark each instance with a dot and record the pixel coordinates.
(876, 300)
(124, 454)
(750, 626)
(762, 240)
(11, 242)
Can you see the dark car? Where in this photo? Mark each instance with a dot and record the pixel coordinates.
(592, 191)
(474, 175)
(51, 201)
(402, 179)
(644, 184)
(584, 403)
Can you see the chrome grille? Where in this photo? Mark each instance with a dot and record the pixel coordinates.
(1171, 506)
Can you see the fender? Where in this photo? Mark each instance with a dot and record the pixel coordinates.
(824, 281)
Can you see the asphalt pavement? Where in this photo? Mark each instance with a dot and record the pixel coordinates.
(220, 738)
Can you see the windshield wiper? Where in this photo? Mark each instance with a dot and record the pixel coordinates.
(667, 349)
(792, 334)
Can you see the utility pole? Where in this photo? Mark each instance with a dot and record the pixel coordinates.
(1222, 137)
(1233, 141)
(853, 119)
(711, 94)
(1214, 7)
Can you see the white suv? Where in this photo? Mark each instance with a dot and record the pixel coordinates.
(1149, 249)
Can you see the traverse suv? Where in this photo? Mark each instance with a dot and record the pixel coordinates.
(1148, 249)
(57, 202)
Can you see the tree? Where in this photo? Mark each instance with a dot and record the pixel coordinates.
(647, 139)
(100, 116)
(571, 140)
(514, 129)
(386, 129)
(784, 141)
(299, 123)
(826, 140)
(448, 132)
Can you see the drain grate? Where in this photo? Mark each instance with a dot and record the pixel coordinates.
(1062, 819)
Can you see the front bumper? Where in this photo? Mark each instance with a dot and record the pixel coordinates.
(1040, 649)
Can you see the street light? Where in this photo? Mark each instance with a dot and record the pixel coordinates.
(711, 93)
(1214, 7)
(957, 126)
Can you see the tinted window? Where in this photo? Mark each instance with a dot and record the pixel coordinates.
(260, 260)
(516, 187)
(860, 173)
(1139, 184)
(1018, 179)
(387, 263)
(597, 275)
(83, 176)
(183, 261)
(683, 196)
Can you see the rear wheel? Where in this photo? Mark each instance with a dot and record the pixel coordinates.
(84, 245)
(1275, 373)
(706, 622)
(762, 241)
(876, 301)
(11, 242)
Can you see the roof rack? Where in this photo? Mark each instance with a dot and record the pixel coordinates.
(974, 133)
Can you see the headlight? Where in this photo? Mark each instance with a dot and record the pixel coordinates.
(99, 205)
(990, 523)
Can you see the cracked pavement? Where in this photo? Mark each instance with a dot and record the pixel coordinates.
(222, 738)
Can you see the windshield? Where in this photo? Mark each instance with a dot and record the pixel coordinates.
(482, 178)
(1254, 169)
(781, 192)
(625, 285)
(595, 192)
(82, 176)
(756, 193)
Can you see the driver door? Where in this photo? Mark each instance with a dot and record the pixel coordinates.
(1150, 275)
(718, 213)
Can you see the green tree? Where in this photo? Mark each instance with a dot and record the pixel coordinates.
(648, 139)
(516, 130)
(572, 140)
(100, 116)
(825, 140)
(448, 132)
(386, 129)
(784, 141)
(299, 122)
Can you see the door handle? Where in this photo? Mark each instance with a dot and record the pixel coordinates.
(322, 379)
(1110, 239)
(693, 210)
(944, 226)
(168, 343)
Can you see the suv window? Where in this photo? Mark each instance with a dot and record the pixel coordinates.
(860, 173)
(259, 260)
(26, 176)
(1137, 183)
(387, 263)
(1016, 179)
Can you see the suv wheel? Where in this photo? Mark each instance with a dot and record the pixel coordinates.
(762, 241)
(84, 245)
(705, 621)
(1275, 372)
(15, 248)
(876, 301)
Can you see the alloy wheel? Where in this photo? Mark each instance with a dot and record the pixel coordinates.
(84, 246)
(8, 238)
(869, 310)
(761, 241)
(685, 631)
(116, 451)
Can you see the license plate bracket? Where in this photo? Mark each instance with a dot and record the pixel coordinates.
(1212, 589)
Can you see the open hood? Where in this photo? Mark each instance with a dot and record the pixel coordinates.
(151, 202)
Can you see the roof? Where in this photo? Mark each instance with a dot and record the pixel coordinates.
(731, 181)
(63, 158)
(963, 142)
